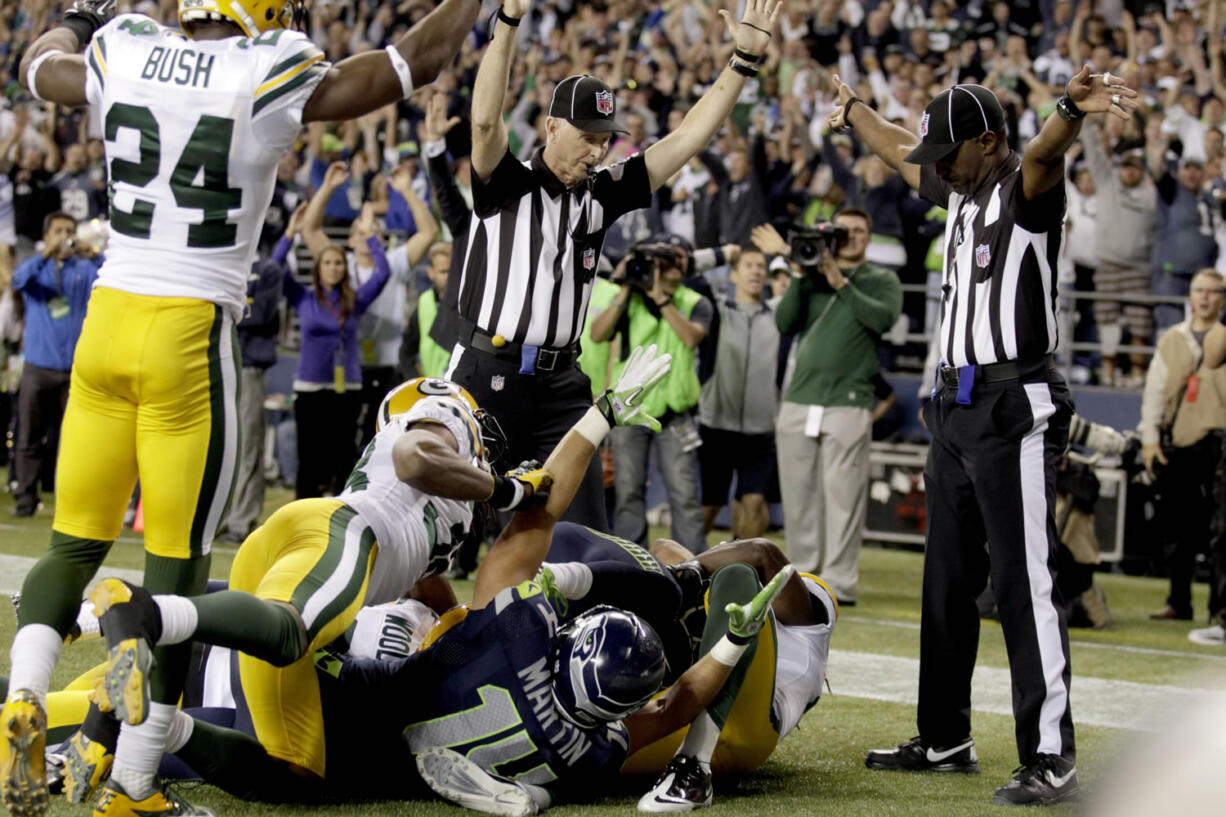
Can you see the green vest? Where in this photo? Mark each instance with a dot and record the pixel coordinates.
(434, 358)
(679, 391)
(594, 359)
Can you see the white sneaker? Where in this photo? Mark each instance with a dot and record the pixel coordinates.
(1214, 636)
(458, 779)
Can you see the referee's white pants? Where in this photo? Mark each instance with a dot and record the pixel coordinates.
(823, 481)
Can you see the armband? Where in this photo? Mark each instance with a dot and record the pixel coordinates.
(402, 70)
(33, 71)
(743, 69)
(747, 57)
(513, 22)
(1068, 110)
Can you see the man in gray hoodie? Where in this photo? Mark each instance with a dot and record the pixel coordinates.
(1123, 243)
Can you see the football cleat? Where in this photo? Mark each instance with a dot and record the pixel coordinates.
(1214, 636)
(1049, 780)
(23, 741)
(86, 764)
(115, 802)
(458, 779)
(131, 623)
(684, 786)
(917, 755)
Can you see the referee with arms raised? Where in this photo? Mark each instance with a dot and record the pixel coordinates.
(537, 231)
(999, 420)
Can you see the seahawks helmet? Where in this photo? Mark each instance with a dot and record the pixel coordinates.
(607, 664)
(254, 17)
(412, 392)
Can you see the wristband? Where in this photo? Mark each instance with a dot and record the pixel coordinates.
(513, 22)
(595, 423)
(743, 69)
(33, 70)
(402, 70)
(507, 493)
(847, 110)
(83, 25)
(750, 58)
(726, 652)
(1068, 110)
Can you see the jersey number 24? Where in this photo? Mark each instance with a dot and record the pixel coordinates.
(207, 155)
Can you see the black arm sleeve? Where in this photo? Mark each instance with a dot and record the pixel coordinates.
(456, 214)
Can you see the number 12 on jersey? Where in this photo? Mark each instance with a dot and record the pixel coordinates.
(199, 181)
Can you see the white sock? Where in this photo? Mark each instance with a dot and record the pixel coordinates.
(88, 622)
(573, 579)
(139, 751)
(179, 618)
(33, 656)
(700, 740)
(180, 733)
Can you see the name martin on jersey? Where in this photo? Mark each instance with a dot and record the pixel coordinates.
(567, 738)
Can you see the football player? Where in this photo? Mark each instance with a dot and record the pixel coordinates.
(299, 580)
(194, 123)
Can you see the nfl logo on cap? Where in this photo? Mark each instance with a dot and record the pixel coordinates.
(589, 258)
(983, 255)
(604, 102)
(924, 125)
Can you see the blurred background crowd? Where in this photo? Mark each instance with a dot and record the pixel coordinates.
(387, 194)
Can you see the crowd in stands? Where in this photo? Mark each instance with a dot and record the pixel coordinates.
(1145, 211)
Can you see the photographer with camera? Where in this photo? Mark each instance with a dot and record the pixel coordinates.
(55, 286)
(838, 305)
(654, 307)
(1183, 412)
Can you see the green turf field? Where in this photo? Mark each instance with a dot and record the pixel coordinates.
(1122, 677)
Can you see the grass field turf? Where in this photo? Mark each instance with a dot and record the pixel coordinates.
(819, 769)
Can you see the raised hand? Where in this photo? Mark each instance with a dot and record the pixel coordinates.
(845, 93)
(623, 404)
(336, 175)
(745, 620)
(294, 226)
(437, 123)
(767, 239)
(516, 8)
(1097, 93)
(753, 33)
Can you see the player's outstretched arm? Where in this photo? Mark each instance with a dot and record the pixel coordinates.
(366, 82)
(489, 93)
(52, 68)
(699, 685)
(750, 36)
(521, 547)
(882, 137)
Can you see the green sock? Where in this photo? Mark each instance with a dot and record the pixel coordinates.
(182, 577)
(52, 591)
(731, 583)
(265, 629)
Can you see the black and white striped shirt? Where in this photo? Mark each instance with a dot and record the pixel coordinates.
(999, 287)
(533, 246)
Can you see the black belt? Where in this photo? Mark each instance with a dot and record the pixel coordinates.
(996, 372)
(547, 360)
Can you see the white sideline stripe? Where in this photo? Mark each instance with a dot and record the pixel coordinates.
(13, 570)
(1095, 701)
(1094, 645)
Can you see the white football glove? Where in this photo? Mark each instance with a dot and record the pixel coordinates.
(623, 404)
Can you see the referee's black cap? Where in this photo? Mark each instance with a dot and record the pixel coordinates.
(585, 102)
(953, 116)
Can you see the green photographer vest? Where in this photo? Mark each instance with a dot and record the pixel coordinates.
(434, 358)
(680, 390)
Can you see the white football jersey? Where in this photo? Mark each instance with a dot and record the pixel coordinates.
(193, 132)
(416, 532)
(801, 654)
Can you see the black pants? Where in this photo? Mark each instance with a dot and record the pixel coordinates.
(1186, 511)
(41, 399)
(991, 477)
(377, 381)
(535, 412)
(327, 423)
(1217, 544)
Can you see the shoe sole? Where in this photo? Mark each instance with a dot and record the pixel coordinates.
(1073, 796)
(23, 773)
(669, 807)
(85, 767)
(124, 690)
(458, 779)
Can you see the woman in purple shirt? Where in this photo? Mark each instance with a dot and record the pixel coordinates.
(328, 381)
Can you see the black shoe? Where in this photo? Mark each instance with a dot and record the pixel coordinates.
(684, 786)
(23, 511)
(917, 755)
(1049, 780)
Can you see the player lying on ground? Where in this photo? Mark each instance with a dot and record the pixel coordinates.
(194, 123)
(298, 581)
(773, 684)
